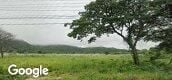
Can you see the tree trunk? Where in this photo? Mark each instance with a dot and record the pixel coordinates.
(135, 55)
(2, 54)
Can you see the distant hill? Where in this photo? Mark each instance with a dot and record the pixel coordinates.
(21, 46)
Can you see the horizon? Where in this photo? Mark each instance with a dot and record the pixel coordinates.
(111, 41)
(72, 45)
(45, 24)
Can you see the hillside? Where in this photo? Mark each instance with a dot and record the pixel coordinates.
(24, 47)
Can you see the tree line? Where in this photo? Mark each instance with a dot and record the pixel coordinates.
(12, 45)
(19, 46)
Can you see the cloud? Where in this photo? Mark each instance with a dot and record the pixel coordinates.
(51, 33)
(57, 34)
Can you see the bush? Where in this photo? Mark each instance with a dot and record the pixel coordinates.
(106, 53)
(154, 54)
(39, 52)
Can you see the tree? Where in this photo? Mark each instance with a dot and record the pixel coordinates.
(5, 39)
(163, 34)
(130, 19)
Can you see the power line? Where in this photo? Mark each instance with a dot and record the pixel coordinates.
(34, 24)
(35, 7)
(49, 15)
(39, 6)
(41, 17)
(46, 16)
(59, 1)
(31, 5)
(72, 3)
(38, 10)
(46, 0)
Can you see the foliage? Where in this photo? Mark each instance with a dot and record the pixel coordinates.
(5, 38)
(164, 36)
(154, 54)
(88, 67)
(20, 46)
(130, 19)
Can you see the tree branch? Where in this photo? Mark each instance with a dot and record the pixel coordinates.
(120, 34)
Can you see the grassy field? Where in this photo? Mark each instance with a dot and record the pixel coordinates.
(88, 67)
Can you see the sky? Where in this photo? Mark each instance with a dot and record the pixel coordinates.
(40, 22)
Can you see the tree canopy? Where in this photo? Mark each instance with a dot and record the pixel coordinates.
(130, 19)
(5, 38)
(163, 34)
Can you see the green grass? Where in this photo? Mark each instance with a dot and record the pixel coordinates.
(87, 67)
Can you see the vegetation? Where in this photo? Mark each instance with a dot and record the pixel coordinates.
(164, 36)
(132, 20)
(19, 46)
(89, 67)
(5, 39)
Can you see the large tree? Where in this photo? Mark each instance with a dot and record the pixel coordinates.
(5, 39)
(163, 34)
(130, 19)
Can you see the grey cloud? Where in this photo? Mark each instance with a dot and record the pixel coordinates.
(51, 34)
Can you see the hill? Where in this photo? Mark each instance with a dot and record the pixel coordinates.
(21, 46)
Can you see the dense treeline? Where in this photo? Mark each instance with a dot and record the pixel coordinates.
(20, 46)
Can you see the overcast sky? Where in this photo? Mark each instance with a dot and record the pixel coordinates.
(40, 22)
